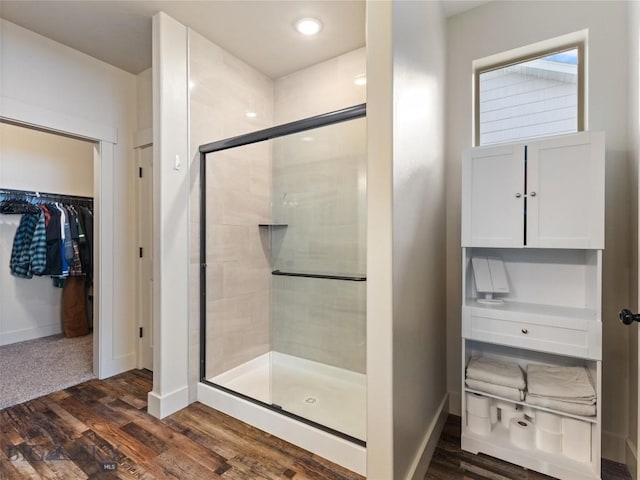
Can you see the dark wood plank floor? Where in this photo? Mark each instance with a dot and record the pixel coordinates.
(100, 429)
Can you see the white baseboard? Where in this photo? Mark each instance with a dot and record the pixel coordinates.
(632, 459)
(161, 406)
(430, 442)
(613, 447)
(32, 333)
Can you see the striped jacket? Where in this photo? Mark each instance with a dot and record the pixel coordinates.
(29, 252)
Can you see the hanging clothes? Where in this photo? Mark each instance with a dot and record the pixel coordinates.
(28, 254)
(86, 243)
(54, 242)
(55, 239)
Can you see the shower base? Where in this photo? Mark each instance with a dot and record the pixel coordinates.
(330, 396)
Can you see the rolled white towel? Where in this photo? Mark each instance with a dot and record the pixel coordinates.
(497, 372)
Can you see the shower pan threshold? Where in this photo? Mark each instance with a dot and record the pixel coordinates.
(327, 395)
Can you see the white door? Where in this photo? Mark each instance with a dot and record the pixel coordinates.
(493, 196)
(565, 191)
(145, 275)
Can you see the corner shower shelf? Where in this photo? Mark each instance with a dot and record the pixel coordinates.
(320, 275)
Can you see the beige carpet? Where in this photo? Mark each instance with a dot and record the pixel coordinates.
(38, 367)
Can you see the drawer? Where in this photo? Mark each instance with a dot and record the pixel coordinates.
(532, 336)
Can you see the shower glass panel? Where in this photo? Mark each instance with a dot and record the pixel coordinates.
(284, 322)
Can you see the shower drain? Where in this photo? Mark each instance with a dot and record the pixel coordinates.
(310, 400)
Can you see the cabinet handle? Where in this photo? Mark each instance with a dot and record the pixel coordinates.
(525, 331)
(533, 194)
(518, 195)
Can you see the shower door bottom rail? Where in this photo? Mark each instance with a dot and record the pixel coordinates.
(320, 275)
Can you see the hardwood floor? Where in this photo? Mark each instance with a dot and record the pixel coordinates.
(100, 429)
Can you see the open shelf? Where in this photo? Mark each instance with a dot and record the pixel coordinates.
(524, 403)
(498, 444)
(551, 314)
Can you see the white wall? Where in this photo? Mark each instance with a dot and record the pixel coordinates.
(379, 241)
(35, 160)
(405, 237)
(170, 217)
(49, 84)
(634, 163)
(419, 384)
(517, 24)
(144, 97)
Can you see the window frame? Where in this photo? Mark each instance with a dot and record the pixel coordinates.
(580, 46)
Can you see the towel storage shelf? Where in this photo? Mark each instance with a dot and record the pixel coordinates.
(498, 444)
(535, 407)
(548, 310)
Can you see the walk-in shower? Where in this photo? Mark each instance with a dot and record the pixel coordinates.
(283, 271)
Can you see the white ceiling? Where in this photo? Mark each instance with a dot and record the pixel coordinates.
(259, 32)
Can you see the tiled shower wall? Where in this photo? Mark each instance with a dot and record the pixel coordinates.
(222, 90)
(319, 321)
(319, 191)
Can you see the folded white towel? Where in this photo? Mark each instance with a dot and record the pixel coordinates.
(566, 407)
(497, 372)
(579, 401)
(499, 390)
(559, 382)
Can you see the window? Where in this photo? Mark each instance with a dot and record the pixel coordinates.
(530, 97)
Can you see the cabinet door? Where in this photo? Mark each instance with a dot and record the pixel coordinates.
(493, 196)
(565, 192)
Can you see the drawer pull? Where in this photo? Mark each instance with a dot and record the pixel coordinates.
(525, 331)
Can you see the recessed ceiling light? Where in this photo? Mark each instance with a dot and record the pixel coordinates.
(251, 114)
(360, 80)
(308, 26)
(306, 139)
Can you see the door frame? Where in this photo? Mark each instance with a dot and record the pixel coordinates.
(142, 139)
(104, 138)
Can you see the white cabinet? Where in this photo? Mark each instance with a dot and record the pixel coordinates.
(537, 207)
(547, 193)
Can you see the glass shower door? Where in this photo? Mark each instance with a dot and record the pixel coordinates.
(318, 285)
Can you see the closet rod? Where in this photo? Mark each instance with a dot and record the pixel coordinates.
(45, 195)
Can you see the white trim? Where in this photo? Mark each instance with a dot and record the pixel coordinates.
(613, 446)
(429, 443)
(331, 447)
(30, 333)
(15, 110)
(532, 49)
(11, 110)
(161, 406)
(632, 459)
(143, 138)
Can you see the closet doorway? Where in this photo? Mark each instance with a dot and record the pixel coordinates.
(144, 155)
(38, 354)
